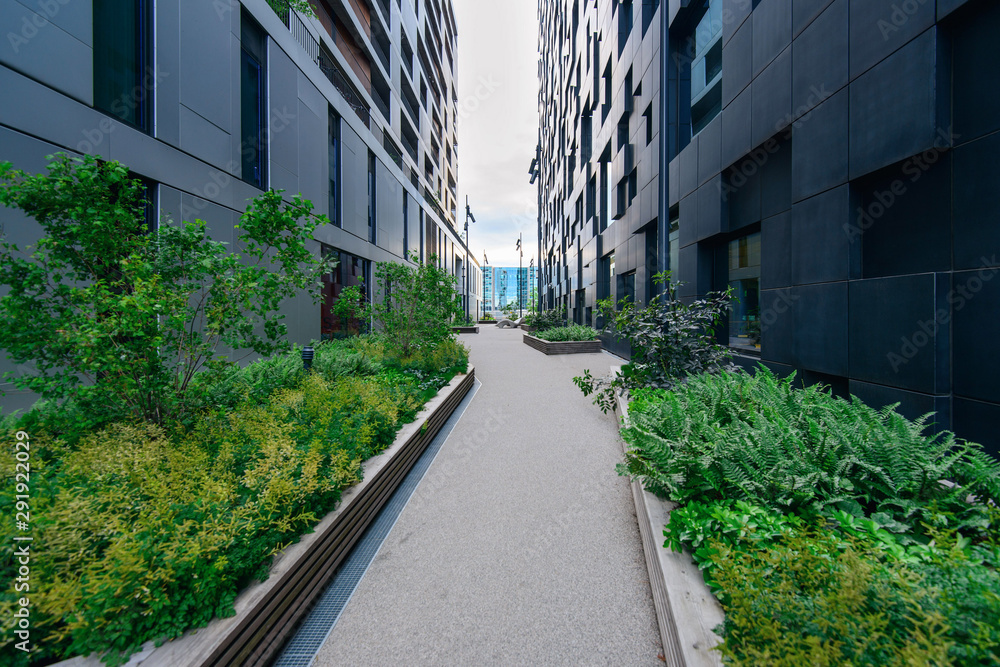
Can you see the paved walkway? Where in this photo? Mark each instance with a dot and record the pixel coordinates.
(520, 546)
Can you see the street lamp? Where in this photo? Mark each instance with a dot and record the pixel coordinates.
(527, 280)
(468, 217)
(520, 263)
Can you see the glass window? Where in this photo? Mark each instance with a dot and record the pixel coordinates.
(372, 226)
(674, 240)
(334, 150)
(351, 271)
(706, 68)
(122, 61)
(744, 279)
(253, 116)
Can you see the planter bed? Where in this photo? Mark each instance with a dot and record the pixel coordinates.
(267, 612)
(465, 330)
(487, 322)
(529, 329)
(563, 347)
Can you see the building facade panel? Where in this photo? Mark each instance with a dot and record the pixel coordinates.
(829, 160)
(230, 99)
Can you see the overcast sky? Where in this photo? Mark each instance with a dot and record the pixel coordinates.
(498, 125)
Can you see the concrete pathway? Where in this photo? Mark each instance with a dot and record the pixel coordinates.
(520, 546)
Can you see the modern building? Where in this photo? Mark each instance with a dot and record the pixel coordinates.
(213, 102)
(503, 285)
(827, 159)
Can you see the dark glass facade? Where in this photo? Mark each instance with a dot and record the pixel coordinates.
(123, 85)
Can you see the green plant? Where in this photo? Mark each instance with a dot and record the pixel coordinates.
(549, 319)
(120, 318)
(418, 307)
(819, 599)
(760, 439)
(670, 340)
(146, 531)
(349, 307)
(570, 333)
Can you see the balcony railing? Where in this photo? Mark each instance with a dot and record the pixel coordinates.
(295, 25)
(344, 87)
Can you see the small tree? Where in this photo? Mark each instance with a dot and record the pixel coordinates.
(419, 305)
(670, 340)
(119, 316)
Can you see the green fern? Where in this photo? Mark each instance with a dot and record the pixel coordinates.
(760, 439)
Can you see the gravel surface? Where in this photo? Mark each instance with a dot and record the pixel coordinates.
(520, 546)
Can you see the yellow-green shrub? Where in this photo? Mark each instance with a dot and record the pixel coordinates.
(143, 533)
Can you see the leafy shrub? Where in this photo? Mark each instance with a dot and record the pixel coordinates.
(548, 319)
(822, 525)
(762, 564)
(758, 439)
(146, 531)
(571, 333)
(817, 599)
(418, 305)
(670, 341)
(122, 319)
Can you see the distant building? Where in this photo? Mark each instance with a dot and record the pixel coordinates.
(503, 284)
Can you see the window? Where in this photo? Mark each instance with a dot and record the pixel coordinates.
(406, 225)
(334, 153)
(626, 287)
(648, 115)
(586, 137)
(253, 116)
(706, 68)
(649, 8)
(122, 61)
(351, 271)
(674, 244)
(372, 226)
(624, 25)
(744, 279)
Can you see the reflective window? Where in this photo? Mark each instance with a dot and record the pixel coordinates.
(744, 279)
(706, 68)
(122, 74)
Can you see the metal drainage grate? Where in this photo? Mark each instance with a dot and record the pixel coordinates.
(310, 636)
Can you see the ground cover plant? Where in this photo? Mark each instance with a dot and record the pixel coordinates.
(570, 333)
(822, 524)
(143, 531)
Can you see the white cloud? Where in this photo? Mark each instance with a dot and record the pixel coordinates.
(498, 127)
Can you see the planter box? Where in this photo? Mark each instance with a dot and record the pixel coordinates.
(487, 321)
(268, 612)
(565, 347)
(529, 329)
(468, 330)
(686, 610)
